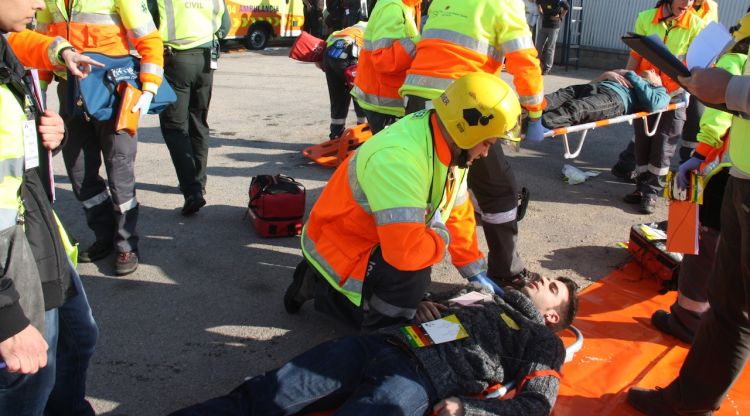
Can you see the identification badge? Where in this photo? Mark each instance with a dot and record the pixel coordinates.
(214, 64)
(439, 331)
(31, 151)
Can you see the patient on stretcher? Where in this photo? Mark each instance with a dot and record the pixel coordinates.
(612, 94)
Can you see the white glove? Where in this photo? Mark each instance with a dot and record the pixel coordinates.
(143, 103)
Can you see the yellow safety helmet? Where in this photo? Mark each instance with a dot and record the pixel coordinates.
(477, 107)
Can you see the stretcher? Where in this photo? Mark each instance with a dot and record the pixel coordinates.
(584, 128)
(623, 349)
(332, 152)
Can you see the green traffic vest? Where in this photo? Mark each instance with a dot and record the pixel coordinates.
(12, 119)
(187, 24)
(739, 140)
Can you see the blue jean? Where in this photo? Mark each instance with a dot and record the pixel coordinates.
(356, 375)
(60, 387)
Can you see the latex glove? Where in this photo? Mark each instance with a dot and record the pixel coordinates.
(143, 103)
(684, 171)
(485, 280)
(535, 131)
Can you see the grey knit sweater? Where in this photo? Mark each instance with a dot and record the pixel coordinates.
(495, 352)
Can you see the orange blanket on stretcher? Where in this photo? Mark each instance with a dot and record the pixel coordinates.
(622, 349)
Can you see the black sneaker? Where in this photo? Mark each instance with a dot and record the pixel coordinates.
(652, 402)
(634, 197)
(301, 289)
(96, 251)
(667, 323)
(193, 204)
(623, 174)
(126, 263)
(648, 204)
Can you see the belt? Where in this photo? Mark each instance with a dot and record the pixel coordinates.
(168, 50)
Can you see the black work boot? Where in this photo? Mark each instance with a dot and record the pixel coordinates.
(669, 324)
(301, 289)
(193, 204)
(96, 251)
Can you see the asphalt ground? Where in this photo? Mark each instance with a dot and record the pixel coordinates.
(204, 309)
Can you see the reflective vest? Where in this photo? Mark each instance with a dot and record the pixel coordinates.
(676, 37)
(356, 213)
(186, 24)
(476, 35)
(709, 12)
(12, 119)
(739, 139)
(355, 33)
(106, 26)
(388, 51)
(715, 124)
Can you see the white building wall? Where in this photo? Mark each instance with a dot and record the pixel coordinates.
(605, 21)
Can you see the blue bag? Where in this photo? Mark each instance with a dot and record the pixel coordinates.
(96, 94)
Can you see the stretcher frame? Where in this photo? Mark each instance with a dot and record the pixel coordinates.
(584, 128)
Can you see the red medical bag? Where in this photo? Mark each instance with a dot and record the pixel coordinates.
(277, 205)
(307, 48)
(649, 250)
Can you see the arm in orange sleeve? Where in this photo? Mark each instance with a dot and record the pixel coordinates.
(462, 226)
(151, 49)
(395, 59)
(410, 246)
(523, 64)
(36, 50)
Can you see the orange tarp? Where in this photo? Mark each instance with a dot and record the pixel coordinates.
(622, 349)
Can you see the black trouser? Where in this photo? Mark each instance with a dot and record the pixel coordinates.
(184, 124)
(578, 104)
(692, 127)
(721, 347)
(389, 295)
(378, 121)
(111, 207)
(338, 93)
(654, 154)
(493, 183)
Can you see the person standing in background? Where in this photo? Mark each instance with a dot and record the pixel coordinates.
(342, 52)
(553, 12)
(190, 31)
(532, 16)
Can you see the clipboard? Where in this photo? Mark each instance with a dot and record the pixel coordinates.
(653, 49)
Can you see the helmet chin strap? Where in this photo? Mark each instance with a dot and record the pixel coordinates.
(462, 159)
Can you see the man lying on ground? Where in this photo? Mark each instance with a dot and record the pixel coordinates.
(614, 93)
(509, 338)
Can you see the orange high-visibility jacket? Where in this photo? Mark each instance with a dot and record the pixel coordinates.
(386, 195)
(388, 51)
(35, 50)
(709, 12)
(676, 37)
(476, 35)
(106, 26)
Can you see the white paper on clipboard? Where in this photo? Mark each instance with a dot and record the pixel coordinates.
(707, 46)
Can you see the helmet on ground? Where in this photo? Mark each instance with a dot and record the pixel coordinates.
(477, 107)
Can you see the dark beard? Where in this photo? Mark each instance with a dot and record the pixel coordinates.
(462, 160)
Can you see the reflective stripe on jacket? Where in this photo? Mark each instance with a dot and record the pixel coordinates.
(106, 26)
(387, 53)
(677, 38)
(12, 119)
(384, 195)
(189, 24)
(476, 35)
(715, 124)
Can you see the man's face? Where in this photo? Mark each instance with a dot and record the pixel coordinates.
(547, 295)
(679, 7)
(480, 150)
(16, 14)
